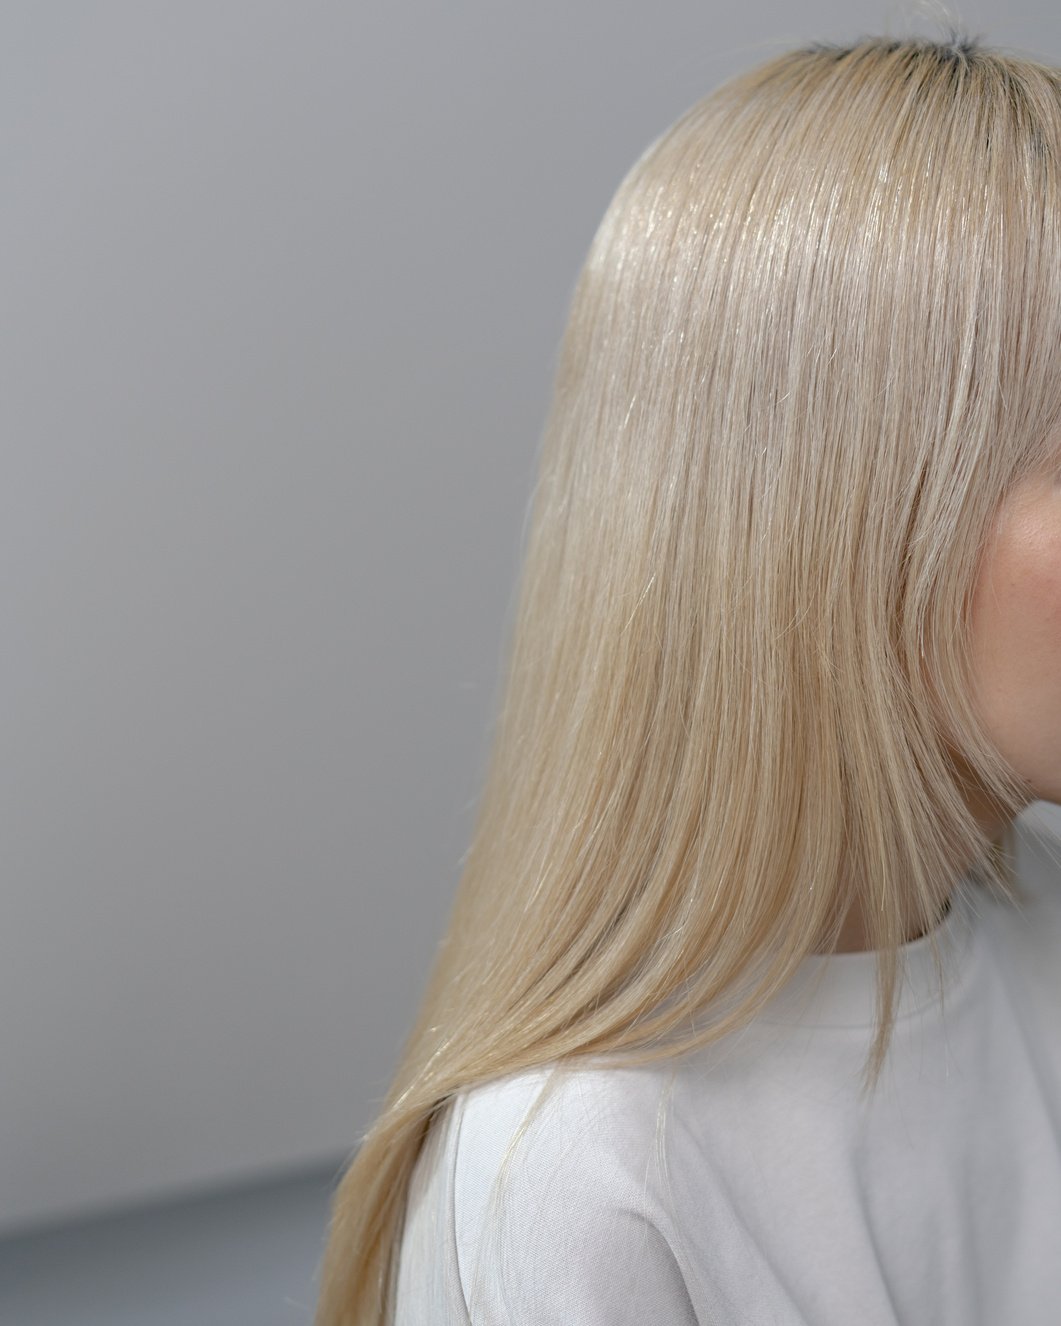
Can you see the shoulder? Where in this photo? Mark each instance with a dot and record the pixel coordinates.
(556, 1194)
(550, 1130)
(605, 1106)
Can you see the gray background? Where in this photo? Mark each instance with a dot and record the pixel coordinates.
(282, 289)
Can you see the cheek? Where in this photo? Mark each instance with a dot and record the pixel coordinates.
(1017, 649)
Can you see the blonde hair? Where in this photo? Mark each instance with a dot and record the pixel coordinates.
(813, 345)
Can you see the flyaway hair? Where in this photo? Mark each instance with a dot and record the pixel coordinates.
(814, 343)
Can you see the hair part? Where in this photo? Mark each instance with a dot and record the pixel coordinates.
(812, 347)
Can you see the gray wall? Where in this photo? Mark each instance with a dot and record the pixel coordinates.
(282, 288)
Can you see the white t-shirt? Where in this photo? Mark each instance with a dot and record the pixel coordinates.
(784, 1198)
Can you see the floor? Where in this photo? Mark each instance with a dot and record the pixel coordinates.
(248, 1257)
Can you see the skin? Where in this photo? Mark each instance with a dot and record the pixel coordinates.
(1016, 633)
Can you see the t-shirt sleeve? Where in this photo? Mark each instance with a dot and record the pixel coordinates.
(574, 1235)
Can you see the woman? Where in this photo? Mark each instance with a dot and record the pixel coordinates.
(747, 1008)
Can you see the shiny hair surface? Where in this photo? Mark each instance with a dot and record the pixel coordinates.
(813, 345)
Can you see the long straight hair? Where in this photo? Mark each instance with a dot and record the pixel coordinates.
(813, 345)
